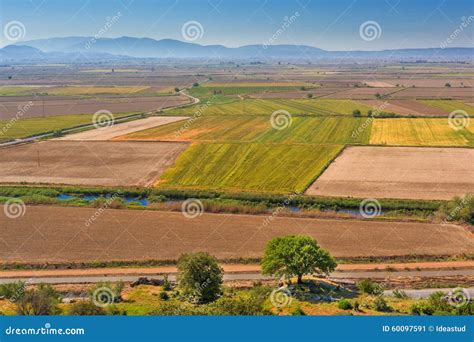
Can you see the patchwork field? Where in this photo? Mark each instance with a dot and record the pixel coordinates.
(87, 163)
(59, 234)
(107, 133)
(94, 90)
(450, 106)
(11, 129)
(267, 107)
(64, 105)
(406, 107)
(398, 172)
(303, 130)
(254, 167)
(418, 132)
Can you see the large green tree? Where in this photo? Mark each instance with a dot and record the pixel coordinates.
(296, 255)
(199, 277)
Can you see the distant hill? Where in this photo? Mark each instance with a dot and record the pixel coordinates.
(169, 48)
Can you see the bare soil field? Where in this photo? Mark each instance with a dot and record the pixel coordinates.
(406, 107)
(431, 82)
(88, 163)
(316, 92)
(398, 172)
(66, 105)
(110, 132)
(60, 234)
(379, 84)
(435, 93)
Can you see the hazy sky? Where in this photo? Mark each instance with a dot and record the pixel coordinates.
(331, 25)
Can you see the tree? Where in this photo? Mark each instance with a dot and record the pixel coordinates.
(296, 255)
(356, 113)
(448, 85)
(199, 277)
(176, 89)
(309, 96)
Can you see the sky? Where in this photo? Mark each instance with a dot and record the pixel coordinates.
(330, 25)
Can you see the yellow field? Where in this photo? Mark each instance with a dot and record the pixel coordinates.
(418, 132)
(94, 90)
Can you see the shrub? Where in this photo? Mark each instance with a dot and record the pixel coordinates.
(164, 295)
(344, 304)
(421, 308)
(459, 209)
(356, 113)
(86, 308)
(13, 291)
(380, 304)
(199, 277)
(106, 292)
(298, 311)
(400, 294)
(41, 301)
(166, 283)
(369, 287)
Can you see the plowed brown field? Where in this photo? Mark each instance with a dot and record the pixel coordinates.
(60, 234)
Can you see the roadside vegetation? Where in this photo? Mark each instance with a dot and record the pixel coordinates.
(199, 290)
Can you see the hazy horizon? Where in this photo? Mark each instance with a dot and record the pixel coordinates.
(333, 26)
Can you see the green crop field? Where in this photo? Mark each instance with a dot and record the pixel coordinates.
(418, 132)
(450, 105)
(11, 129)
(17, 90)
(278, 168)
(240, 128)
(267, 107)
(232, 89)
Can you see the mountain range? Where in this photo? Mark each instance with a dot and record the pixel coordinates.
(81, 49)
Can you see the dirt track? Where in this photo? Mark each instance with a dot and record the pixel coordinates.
(60, 234)
(88, 162)
(398, 172)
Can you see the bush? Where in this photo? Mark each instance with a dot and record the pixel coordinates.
(356, 113)
(199, 277)
(400, 294)
(369, 287)
(298, 311)
(380, 304)
(106, 292)
(344, 304)
(166, 283)
(13, 291)
(41, 301)
(164, 295)
(459, 209)
(421, 308)
(86, 308)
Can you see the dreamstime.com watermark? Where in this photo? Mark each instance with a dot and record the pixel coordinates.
(192, 208)
(465, 22)
(99, 211)
(14, 208)
(109, 22)
(370, 30)
(46, 330)
(287, 22)
(464, 202)
(375, 112)
(196, 115)
(22, 110)
(192, 31)
(279, 209)
(370, 208)
(281, 119)
(14, 30)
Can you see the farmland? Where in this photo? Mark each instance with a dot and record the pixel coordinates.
(398, 172)
(255, 167)
(266, 107)
(302, 130)
(418, 132)
(87, 163)
(450, 106)
(58, 234)
(32, 126)
(43, 106)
